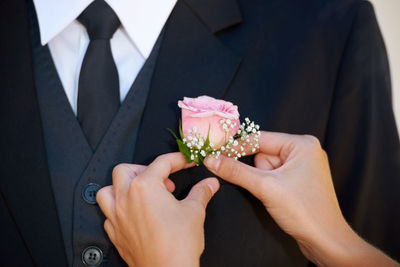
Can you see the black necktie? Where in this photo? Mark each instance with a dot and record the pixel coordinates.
(98, 91)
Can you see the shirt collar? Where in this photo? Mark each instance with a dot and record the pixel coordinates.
(143, 20)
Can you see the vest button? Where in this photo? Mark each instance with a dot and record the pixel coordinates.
(89, 193)
(92, 256)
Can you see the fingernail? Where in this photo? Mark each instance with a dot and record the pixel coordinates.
(212, 163)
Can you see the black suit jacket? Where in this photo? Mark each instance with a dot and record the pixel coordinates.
(308, 67)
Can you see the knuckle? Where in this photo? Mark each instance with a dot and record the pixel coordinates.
(161, 158)
(120, 168)
(100, 195)
(137, 185)
(324, 154)
(233, 170)
(312, 142)
(120, 211)
(161, 161)
(107, 225)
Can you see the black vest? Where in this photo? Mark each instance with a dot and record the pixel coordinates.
(77, 172)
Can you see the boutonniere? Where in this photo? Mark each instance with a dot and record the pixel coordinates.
(211, 126)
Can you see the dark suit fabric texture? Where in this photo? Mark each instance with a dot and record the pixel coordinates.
(314, 67)
(76, 170)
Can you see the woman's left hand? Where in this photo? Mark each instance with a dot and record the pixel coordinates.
(146, 223)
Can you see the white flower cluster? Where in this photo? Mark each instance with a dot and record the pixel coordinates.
(247, 135)
(227, 124)
(235, 147)
(196, 145)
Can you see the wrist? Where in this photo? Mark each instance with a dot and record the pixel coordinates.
(182, 263)
(181, 258)
(333, 246)
(343, 247)
(171, 259)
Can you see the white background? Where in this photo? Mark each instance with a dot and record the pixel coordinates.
(388, 13)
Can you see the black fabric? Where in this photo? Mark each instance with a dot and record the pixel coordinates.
(98, 90)
(30, 234)
(309, 67)
(67, 149)
(72, 163)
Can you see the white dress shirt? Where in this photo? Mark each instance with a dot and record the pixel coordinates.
(141, 20)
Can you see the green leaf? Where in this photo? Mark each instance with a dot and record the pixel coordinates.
(207, 142)
(184, 150)
(200, 159)
(182, 147)
(180, 130)
(176, 137)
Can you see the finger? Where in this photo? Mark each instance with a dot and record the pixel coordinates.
(242, 146)
(170, 185)
(267, 162)
(202, 192)
(109, 228)
(166, 164)
(274, 143)
(237, 173)
(271, 143)
(122, 176)
(106, 200)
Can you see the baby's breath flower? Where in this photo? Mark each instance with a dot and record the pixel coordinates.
(247, 135)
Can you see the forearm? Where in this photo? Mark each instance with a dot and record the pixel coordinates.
(346, 248)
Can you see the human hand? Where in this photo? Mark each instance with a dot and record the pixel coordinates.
(146, 223)
(293, 180)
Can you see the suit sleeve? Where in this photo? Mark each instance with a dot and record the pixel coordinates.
(362, 141)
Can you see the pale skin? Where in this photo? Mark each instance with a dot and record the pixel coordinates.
(146, 223)
(291, 177)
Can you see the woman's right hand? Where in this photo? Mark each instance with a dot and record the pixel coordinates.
(293, 180)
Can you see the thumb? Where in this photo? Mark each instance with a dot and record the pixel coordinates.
(203, 191)
(238, 173)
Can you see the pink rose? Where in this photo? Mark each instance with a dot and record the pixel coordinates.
(203, 113)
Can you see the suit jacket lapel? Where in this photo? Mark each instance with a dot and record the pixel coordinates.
(192, 62)
(24, 176)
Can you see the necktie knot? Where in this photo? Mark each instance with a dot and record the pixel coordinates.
(100, 20)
